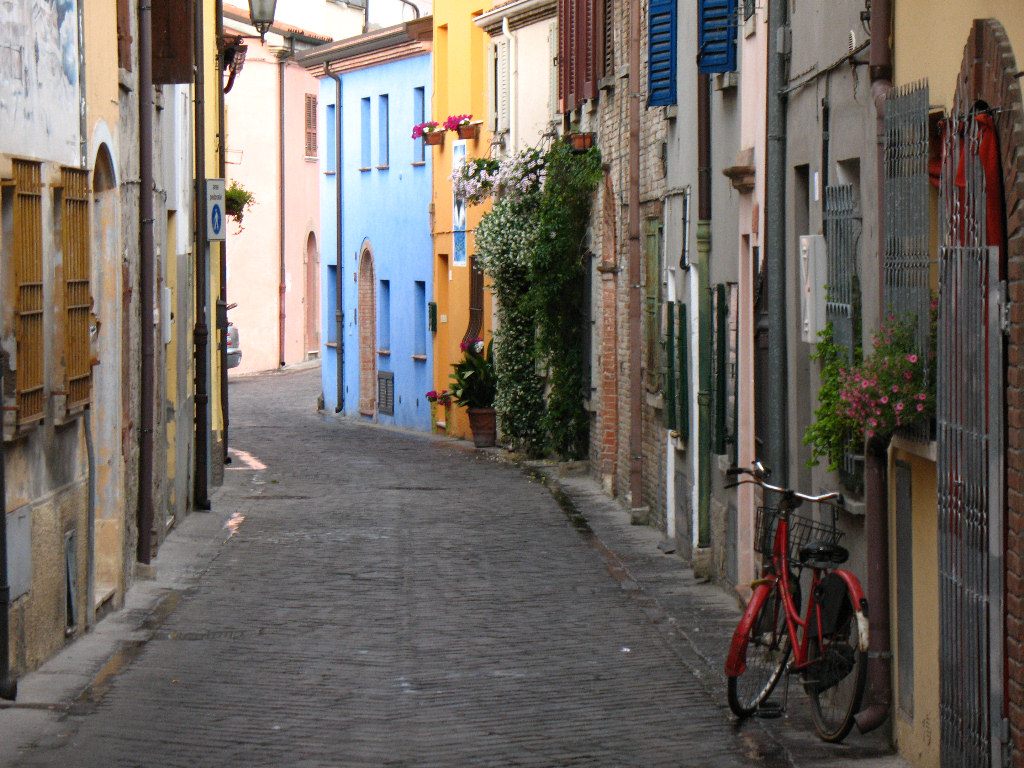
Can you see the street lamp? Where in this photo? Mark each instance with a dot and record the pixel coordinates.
(261, 12)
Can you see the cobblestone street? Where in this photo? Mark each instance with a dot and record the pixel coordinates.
(361, 596)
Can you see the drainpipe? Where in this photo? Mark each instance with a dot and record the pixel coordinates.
(222, 302)
(339, 197)
(281, 214)
(701, 276)
(876, 492)
(636, 278)
(776, 420)
(201, 332)
(8, 685)
(146, 270)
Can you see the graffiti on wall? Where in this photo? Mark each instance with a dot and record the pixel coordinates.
(39, 79)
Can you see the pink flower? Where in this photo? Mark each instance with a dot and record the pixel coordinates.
(908, 375)
(899, 407)
(865, 384)
(920, 407)
(873, 422)
(895, 388)
(911, 358)
(883, 399)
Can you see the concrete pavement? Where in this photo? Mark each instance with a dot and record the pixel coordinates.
(361, 596)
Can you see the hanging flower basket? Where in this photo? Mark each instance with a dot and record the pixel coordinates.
(434, 138)
(469, 131)
(463, 126)
(430, 132)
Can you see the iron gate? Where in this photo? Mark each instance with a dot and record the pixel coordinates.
(970, 458)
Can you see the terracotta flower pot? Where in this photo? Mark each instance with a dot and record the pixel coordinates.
(468, 131)
(581, 142)
(433, 137)
(482, 424)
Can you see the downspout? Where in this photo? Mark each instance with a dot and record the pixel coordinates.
(339, 197)
(280, 214)
(776, 420)
(414, 7)
(700, 275)
(222, 303)
(201, 332)
(8, 685)
(876, 491)
(636, 277)
(146, 268)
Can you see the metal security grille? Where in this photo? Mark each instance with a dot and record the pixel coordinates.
(842, 238)
(386, 393)
(907, 264)
(75, 233)
(970, 465)
(28, 277)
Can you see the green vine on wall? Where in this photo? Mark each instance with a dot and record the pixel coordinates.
(531, 244)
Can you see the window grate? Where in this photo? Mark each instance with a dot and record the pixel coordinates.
(386, 393)
(842, 238)
(310, 125)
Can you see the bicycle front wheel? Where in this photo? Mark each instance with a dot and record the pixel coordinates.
(767, 653)
(835, 681)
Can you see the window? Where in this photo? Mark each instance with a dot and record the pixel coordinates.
(499, 83)
(581, 54)
(382, 131)
(330, 140)
(310, 125)
(420, 328)
(716, 35)
(124, 35)
(662, 53)
(75, 239)
(364, 116)
(652, 304)
(418, 116)
(475, 329)
(384, 317)
(27, 229)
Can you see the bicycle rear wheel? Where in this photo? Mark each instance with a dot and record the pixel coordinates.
(767, 653)
(835, 681)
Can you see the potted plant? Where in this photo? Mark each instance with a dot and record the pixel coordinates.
(237, 200)
(462, 125)
(581, 141)
(430, 131)
(442, 399)
(473, 385)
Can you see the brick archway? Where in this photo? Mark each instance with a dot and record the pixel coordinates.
(367, 306)
(989, 75)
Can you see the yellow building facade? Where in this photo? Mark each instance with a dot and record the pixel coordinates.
(464, 307)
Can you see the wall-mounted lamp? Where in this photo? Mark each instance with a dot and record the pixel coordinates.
(261, 13)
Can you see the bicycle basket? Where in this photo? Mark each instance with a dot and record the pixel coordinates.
(801, 531)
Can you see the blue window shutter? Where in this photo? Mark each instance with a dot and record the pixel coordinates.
(662, 53)
(716, 35)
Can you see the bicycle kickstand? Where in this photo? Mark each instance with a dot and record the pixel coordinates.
(772, 709)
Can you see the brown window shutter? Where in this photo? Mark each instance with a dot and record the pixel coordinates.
(28, 277)
(172, 41)
(124, 35)
(77, 293)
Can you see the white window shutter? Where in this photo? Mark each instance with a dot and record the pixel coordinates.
(492, 88)
(502, 85)
(553, 70)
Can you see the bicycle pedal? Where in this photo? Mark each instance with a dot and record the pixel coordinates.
(769, 709)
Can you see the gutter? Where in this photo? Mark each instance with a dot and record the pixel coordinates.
(339, 198)
(876, 490)
(222, 302)
(700, 277)
(144, 549)
(281, 212)
(636, 277)
(201, 331)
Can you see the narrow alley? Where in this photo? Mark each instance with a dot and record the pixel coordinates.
(373, 598)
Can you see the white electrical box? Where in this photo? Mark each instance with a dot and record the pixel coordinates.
(813, 273)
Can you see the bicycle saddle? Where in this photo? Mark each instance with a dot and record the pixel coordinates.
(823, 552)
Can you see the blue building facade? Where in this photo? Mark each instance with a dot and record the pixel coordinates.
(375, 201)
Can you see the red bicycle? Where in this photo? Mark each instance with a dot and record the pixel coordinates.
(828, 643)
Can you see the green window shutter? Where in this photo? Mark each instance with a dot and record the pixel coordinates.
(682, 374)
(670, 367)
(720, 389)
(652, 303)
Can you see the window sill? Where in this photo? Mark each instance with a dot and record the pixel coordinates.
(419, 162)
(328, 173)
(311, 158)
(420, 358)
(382, 167)
(331, 345)
(384, 352)
(365, 169)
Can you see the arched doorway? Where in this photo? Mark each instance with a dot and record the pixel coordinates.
(312, 298)
(367, 307)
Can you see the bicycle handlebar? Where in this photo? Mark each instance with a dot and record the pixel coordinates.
(759, 474)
